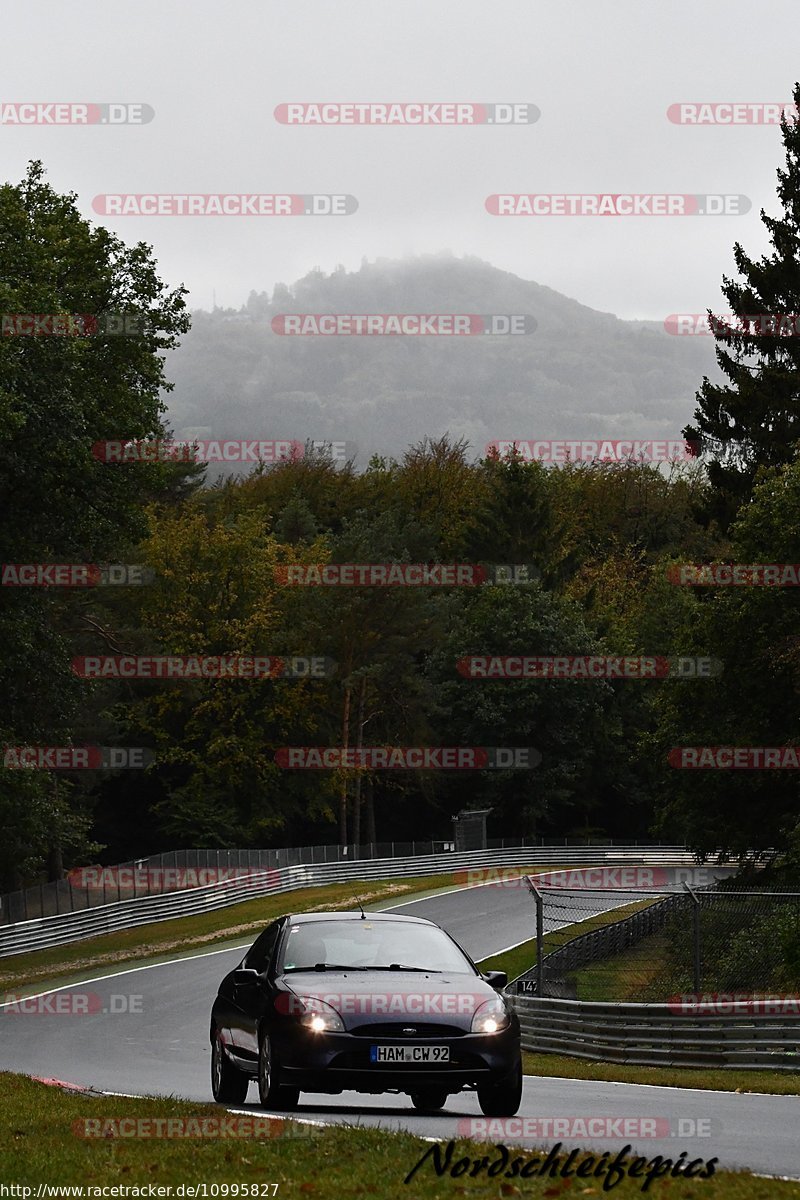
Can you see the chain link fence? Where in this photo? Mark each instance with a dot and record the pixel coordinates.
(665, 946)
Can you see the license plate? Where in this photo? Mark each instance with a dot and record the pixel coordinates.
(409, 1054)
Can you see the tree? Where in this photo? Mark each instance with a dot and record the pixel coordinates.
(58, 396)
(561, 719)
(753, 630)
(511, 519)
(754, 420)
(377, 635)
(215, 781)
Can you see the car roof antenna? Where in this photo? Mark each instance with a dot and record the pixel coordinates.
(361, 906)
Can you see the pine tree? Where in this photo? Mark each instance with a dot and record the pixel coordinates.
(753, 420)
(296, 522)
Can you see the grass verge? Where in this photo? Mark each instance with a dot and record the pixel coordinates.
(39, 1145)
(780, 1083)
(634, 974)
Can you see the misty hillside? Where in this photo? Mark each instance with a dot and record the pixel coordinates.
(581, 374)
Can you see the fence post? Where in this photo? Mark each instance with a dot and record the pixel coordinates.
(539, 898)
(695, 937)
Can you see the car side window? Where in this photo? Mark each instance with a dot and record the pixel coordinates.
(261, 951)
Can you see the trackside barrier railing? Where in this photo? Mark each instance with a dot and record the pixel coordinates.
(751, 1034)
(174, 870)
(43, 933)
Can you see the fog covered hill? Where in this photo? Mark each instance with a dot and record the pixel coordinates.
(581, 374)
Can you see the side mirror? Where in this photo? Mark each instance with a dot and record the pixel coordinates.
(496, 979)
(245, 977)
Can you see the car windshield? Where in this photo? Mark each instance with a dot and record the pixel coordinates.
(375, 945)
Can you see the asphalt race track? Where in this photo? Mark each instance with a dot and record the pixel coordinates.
(146, 1032)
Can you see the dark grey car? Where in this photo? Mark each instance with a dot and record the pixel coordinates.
(328, 1002)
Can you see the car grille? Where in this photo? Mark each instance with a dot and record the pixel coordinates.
(396, 1030)
(360, 1061)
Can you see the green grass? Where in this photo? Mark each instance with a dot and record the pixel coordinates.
(627, 975)
(783, 1083)
(38, 1145)
(520, 958)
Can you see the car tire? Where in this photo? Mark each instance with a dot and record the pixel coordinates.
(271, 1092)
(429, 1100)
(228, 1085)
(504, 1098)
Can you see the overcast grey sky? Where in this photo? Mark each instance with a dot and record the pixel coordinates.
(603, 73)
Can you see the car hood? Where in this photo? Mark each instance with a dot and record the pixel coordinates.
(391, 997)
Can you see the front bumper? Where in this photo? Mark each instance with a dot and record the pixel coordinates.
(336, 1062)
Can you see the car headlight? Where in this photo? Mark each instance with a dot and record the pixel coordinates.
(490, 1017)
(320, 1017)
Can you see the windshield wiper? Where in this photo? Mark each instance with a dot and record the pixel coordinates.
(405, 967)
(326, 967)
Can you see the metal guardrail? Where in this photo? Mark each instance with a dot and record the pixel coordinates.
(172, 870)
(661, 1034)
(45, 932)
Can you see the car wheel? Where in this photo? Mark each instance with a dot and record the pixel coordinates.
(270, 1091)
(228, 1085)
(502, 1099)
(429, 1100)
